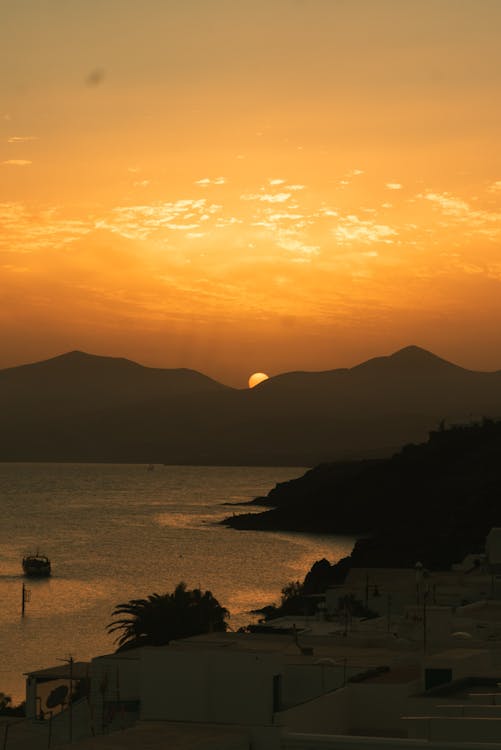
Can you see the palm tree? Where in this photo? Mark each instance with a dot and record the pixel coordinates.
(161, 618)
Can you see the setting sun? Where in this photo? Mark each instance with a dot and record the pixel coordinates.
(257, 378)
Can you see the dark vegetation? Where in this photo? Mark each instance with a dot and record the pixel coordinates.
(7, 709)
(432, 502)
(161, 618)
(302, 599)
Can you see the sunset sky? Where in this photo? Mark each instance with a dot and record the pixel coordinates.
(241, 185)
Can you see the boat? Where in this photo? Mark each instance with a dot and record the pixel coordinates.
(36, 566)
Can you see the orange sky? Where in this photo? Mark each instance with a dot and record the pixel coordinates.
(251, 185)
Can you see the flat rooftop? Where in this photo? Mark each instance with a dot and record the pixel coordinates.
(79, 671)
(336, 648)
(401, 579)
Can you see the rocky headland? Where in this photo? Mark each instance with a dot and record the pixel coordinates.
(433, 502)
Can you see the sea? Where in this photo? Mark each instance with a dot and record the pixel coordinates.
(116, 532)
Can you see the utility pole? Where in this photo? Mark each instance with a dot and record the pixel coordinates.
(26, 596)
(70, 661)
(5, 735)
(425, 597)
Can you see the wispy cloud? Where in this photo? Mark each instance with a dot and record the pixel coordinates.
(266, 197)
(227, 221)
(297, 246)
(351, 229)
(22, 138)
(394, 186)
(139, 222)
(18, 162)
(25, 231)
(462, 212)
(206, 181)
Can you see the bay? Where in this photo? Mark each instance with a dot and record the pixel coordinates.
(115, 532)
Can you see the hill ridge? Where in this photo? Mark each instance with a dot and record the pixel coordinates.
(84, 407)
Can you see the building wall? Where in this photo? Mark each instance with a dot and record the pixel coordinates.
(114, 679)
(207, 686)
(327, 714)
(378, 707)
(493, 546)
(302, 682)
(462, 662)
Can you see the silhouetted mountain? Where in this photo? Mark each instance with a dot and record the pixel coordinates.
(82, 407)
(433, 502)
(77, 375)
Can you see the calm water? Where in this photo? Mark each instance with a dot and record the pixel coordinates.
(116, 532)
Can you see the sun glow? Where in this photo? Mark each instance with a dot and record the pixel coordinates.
(257, 378)
(317, 218)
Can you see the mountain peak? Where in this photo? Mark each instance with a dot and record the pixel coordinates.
(416, 354)
(77, 359)
(410, 358)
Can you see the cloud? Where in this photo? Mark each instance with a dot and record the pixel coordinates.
(25, 231)
(296, 246)
(22, 138)
(352, 229)
(182, 227)
(325, 211)
(266, 197)
(18, 162)
(473, 220)
(139, 222)
(285, 215)
(276, 182)
(449, 204)
(226, 221)
(394, 186)
(205, 181)
(141, 183)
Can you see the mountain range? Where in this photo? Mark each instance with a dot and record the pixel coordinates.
(82, 407)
